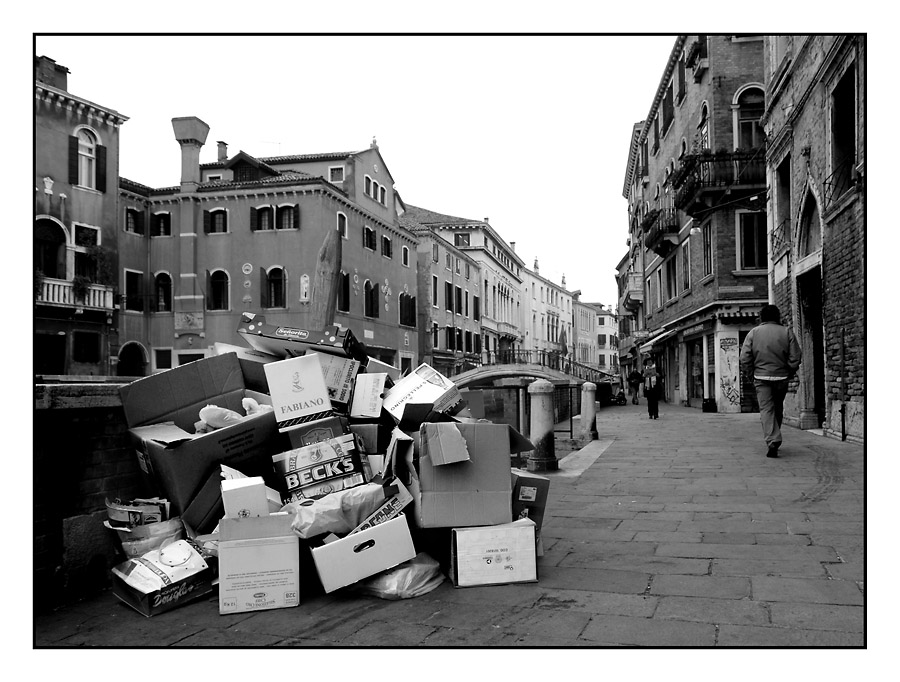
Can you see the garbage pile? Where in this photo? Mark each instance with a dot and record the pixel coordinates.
(300, 465)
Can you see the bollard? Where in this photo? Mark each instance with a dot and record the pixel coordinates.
(588, 410)
(543, 457)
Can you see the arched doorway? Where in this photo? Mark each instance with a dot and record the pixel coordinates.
(132, 360)
(810, 320)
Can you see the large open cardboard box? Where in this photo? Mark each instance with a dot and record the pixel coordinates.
(161, 411)
(474, 492)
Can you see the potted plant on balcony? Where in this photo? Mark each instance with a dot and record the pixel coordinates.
(80, 286)
(38, 282)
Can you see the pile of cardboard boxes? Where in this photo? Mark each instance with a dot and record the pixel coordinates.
(342, 469)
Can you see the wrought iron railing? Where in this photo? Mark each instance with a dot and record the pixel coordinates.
(721, 170)
(781, 237)
(842, 178)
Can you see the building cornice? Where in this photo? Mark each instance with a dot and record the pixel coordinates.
(62, 99)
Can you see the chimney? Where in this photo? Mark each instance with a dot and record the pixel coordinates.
(223, 150)
(537, 270)
(487, 220)
(563, 281)
(191, 134)
(47, 71)
(512, 245)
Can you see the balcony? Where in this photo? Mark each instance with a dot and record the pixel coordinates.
(697, 57)
(662, 236)
(739, 174)
(648, 220)
(61, 293)
(634, 291)
(781, 238)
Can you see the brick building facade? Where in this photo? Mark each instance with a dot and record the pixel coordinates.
(815, 120)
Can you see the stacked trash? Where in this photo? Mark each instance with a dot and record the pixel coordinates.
(300, 464)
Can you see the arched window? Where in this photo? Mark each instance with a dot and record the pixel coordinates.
(342, 224)
(370, 292)
(274, 296)
(217, 290)
(162, 291)
(288, 217)
(703, 128)
(50, 249)
(407, 310)
(87, 159)
(751, 106)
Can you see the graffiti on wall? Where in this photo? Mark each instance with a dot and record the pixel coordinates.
(729, 377)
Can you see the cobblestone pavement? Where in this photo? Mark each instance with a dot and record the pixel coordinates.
(675, 532)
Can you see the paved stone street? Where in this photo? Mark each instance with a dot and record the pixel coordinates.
(673, 532)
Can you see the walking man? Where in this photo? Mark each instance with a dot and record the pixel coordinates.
(771, 355)
(634, 384)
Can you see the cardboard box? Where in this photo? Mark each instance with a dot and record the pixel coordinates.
(252, 362)
(373, 365)
(423, 385)
(368, 395)
(321, 468)
(339, 374)
(259, 564)
(493, 555)
(151, 585)
(289, 342)
(161, 411)
(317, 431)
(477, 492)
(244, 497)
(357, 556)
(298, 390)
(474, 403)
(529, 496)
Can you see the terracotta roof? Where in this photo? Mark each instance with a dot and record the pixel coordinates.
(425, 217)
(292, 177)
(292, 158)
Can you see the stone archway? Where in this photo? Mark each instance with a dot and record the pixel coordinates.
(133, 360)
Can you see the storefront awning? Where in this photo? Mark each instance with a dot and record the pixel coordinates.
(656, 340)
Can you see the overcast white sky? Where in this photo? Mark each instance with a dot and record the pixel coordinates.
(529, 131)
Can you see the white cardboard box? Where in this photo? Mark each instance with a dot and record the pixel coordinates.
(339, 374)
(424, 385)
(259, 564)
(298, 390)
(493, 555)
(367, 395)
(346, 561)
(243, 497)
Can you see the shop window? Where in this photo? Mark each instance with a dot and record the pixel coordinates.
(86, 347)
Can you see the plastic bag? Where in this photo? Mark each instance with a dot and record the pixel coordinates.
(412, 578)
(338, 512)
(142, 539)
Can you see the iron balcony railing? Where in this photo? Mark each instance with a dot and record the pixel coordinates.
(549, 359)
(781, 237)
(843, 178)
(723, 170)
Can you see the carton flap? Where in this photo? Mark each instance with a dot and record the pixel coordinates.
(146, 400)
(271, 526)
(518, 442)
(444, 444)
(416, 414)
(166, 434)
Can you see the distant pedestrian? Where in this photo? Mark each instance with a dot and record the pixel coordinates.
(771, 355)
(635, 378)
(651, 388)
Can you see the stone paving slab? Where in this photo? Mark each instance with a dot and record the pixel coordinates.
(679, 533)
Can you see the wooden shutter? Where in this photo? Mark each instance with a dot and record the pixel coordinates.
(297, 217)
(101, 169)
(263, 288)
(209, 296)
(207, 222)
(139, 222)
(254, 220)
(73, 160)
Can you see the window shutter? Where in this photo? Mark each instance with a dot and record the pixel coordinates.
(254, 220)
(154, 295)
(207, 221)
(209, 296)
(139, 222)
(73, 160)
(263, 288)
(101, 169)
(297, 217)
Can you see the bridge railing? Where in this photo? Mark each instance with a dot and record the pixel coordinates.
(549, 359)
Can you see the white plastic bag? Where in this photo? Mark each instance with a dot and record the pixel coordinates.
(412, 578)
(338, 512)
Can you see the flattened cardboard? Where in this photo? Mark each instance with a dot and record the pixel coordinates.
(321, 468)
(368, 395)
(374, 365)
(298, 390)
(529, 496)
(259, 564)
(349, 560)
(494, 555)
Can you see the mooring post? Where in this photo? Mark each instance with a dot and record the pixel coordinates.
(543, 457)
(588, 410)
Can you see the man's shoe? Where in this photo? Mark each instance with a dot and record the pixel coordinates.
(773, 452)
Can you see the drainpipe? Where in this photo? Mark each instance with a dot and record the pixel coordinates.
(843, 391)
